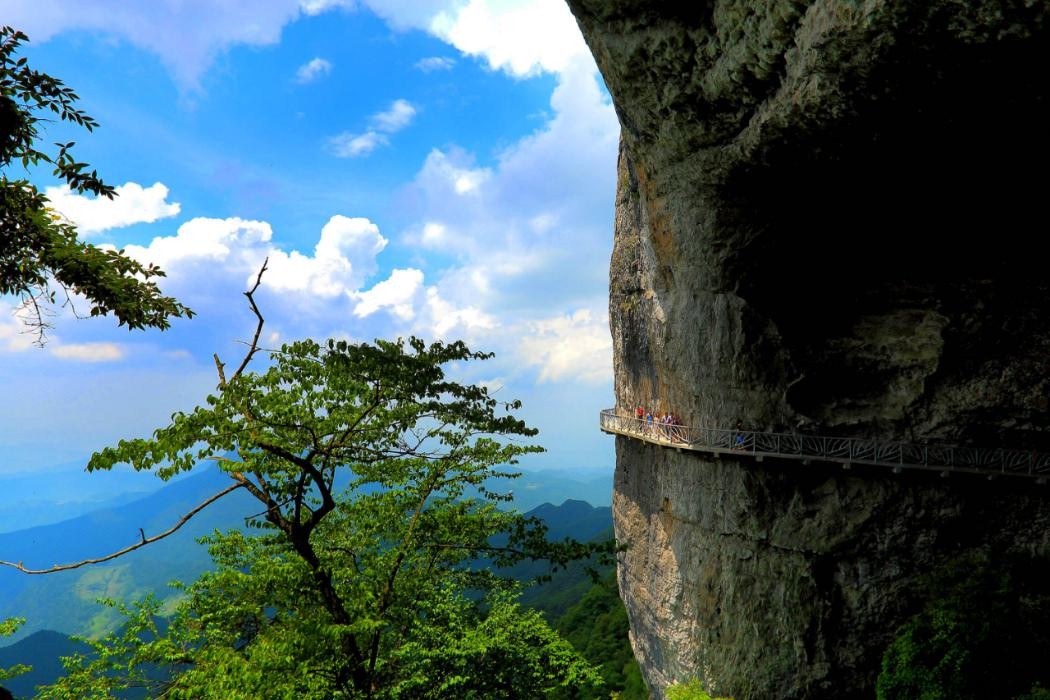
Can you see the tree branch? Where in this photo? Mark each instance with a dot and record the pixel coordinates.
(254, 347)
(145, 540)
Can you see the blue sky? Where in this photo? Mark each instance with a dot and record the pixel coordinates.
(444, 168)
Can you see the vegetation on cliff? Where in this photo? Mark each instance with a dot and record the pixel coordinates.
(597, 627)
(984, 632)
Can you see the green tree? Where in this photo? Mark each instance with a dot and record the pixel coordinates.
(983, 632)
(7, 628)
(596, 625)
(40, 253)
(693, 690)
(365, 590)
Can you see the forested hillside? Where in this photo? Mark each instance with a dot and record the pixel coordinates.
(587, 613)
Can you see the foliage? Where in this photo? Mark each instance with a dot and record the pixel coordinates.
(597, 627)
(982, 633)
(7, 628)
(692, 690)
(120, 661)
(367, 592)
(38, 249)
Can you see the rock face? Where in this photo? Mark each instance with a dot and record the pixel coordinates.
(825, 223)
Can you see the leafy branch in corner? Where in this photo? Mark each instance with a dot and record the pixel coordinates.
(41, 254)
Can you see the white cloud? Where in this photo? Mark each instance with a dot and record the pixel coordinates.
(445, 317)
(312, 70)
(343, 257)
(206, 240)
(570, 348)
(134, 204)
(434, 235)
(530, 232)
(394, 119)
(522, 37)
(452, 172)
(435, 63)
(519, 36)
(205, 251)
(406, 14)
(396, 293)
(187, 35)
(87, 352)
(347, 145)
(14, 335)
(316, 7)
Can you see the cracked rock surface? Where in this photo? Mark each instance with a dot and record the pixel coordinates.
(825, 223)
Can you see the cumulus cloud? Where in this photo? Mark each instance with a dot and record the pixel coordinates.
(522, 38)
(205, 240)
(570, 348)
(347, 145)
(14, 336)
(396, 293)
(396, 118)
(531, 231)
(312, 70)
(134, 204)
(345, 255)
(342, 259)
(88, 352)
(445, 317)
(453, 170)
(187, 36)
(316, 7)
(435, 63)
(381, 125)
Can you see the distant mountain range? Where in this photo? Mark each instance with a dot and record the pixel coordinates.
(65, 601)
(66, 491)
(58, 605)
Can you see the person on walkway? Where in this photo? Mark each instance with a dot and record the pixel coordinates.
(649, 421)
(738, 442)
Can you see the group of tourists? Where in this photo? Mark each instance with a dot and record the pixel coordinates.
(665, 425)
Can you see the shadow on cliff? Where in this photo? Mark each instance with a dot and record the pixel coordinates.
(921, 211)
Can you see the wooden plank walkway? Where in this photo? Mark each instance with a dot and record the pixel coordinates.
(892, 454)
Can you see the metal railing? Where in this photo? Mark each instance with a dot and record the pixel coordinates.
(895, 454)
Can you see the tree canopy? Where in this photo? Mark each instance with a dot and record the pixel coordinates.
(361, 577)
(7, 628)
(41, 254)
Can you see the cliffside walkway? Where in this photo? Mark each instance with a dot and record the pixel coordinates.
(893, 454)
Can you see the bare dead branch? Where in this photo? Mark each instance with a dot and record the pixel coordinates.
(144, 541)
(219, 366)
(254, 347)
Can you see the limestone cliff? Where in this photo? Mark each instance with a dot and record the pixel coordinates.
(826, 222)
